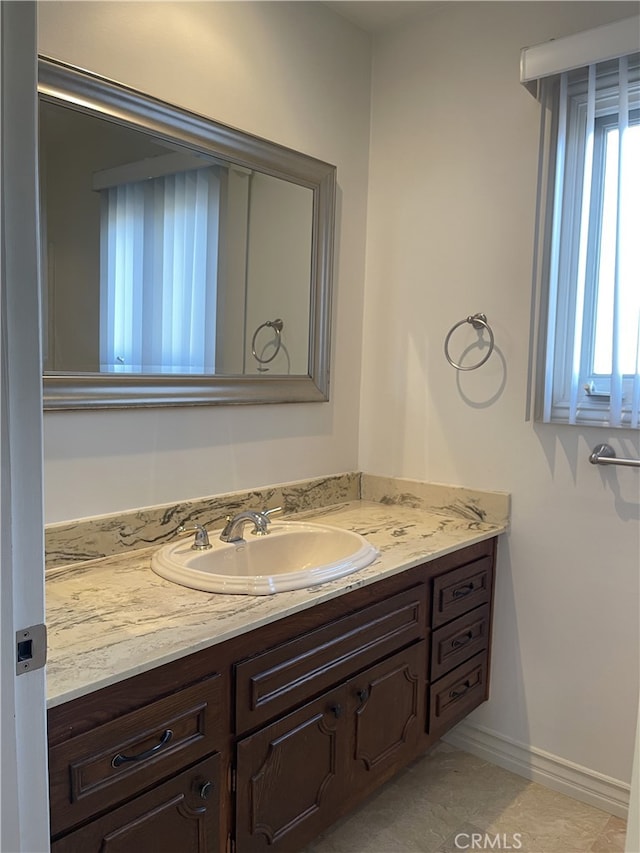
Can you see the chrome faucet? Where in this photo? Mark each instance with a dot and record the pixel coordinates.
(233, 529)
(201, 539)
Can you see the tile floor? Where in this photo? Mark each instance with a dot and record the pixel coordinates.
(448, 800)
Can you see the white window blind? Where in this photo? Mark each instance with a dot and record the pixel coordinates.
(589, 248)
(159, 262)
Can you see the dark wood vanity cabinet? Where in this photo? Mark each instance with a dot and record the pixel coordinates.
(230, 749)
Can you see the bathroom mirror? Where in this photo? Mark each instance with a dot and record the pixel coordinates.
(184, 262)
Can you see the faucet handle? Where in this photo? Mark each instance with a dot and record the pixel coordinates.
(267, 512)
(261, 529)
(201, 539)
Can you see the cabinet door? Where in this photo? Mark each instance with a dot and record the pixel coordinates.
(386, 710)
(290, 776)
(179, 815)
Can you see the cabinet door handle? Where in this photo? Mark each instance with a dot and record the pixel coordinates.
(205, 789)
(461, 591)
(462, 640)
(123, 759)
(456, 694)
(336, 710)
(363, 694)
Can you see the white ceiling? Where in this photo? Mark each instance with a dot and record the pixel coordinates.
(376, 15)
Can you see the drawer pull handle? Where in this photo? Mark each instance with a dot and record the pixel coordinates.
(462, 640)
(461, 591)
(123, 759)
(336, 710)
(456, 694)
(363, 695)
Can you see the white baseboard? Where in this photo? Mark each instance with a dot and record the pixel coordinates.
(547, 769)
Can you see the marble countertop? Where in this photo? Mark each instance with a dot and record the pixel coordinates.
(112, 618)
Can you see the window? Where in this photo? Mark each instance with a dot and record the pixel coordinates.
(158, 277)
(589, 372)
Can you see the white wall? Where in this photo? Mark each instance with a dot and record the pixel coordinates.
(452, 195)
(294, 73)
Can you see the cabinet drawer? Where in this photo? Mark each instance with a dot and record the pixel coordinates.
(181, 814)
(455, 695)
(459, 640)
(273, 682)
(459, 591)
(111, 763)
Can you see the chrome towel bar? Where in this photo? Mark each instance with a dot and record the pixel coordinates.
(604, 454)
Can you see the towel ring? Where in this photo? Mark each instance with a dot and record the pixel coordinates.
(270, 324)
(478, 321)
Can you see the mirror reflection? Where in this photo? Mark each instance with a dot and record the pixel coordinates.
(161, 259)
(185, 262)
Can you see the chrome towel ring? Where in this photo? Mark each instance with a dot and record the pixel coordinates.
(277, 325)
(479, 322)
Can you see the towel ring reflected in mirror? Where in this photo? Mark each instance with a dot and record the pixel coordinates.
(276, 342)
(479, 323)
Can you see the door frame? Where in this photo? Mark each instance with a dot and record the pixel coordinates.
(24, 809)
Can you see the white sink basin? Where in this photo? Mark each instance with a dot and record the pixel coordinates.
(293, 555)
